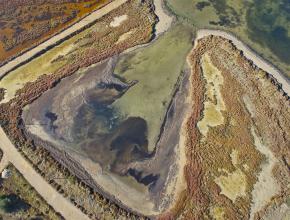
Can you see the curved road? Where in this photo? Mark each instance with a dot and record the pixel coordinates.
(58, 37)
(249, 54)
(51, 196)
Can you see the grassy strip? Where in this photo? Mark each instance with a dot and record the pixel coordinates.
(35, 205)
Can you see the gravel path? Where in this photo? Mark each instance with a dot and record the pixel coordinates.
(57, 38)
(51, 196)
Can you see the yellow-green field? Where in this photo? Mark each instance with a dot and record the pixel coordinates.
(156, 68)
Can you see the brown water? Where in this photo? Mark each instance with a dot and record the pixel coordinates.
(80, 118)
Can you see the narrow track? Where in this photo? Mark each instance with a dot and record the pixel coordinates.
(51, 196)
(55, 40)
(10, 153)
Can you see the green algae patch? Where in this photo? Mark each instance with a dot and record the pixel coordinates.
(214, 105)
(262, 24)
(156, 70)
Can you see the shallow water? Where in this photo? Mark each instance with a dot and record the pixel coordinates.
(269, 25)
(156, 68)
(264, 25)
(95, 114)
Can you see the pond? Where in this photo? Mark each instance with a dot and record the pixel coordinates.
(112, 118)
(264, 25)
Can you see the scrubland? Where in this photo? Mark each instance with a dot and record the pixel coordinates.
(237, 157)
(26, 203)
(31, 80)
(27, 23)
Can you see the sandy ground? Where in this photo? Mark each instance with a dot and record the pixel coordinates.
(3, 163)
(135, 199)
(164, 23)
(266, 186)
(52, 197)
(212, 109)
(180, 185)
(124, 37)
(249, 54)
(118, 20)
(55, 39)
(164, 19)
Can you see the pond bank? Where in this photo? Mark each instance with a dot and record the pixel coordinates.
(249, 54)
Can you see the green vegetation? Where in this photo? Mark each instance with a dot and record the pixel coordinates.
(20, 201)
(12, 203)
(264, 25)
(156, 68)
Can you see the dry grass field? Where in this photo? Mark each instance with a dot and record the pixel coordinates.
(24, 24)
(237, 145)
(96, 43)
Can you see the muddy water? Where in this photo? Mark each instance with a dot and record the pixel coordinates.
(93, 115)
(83, 120)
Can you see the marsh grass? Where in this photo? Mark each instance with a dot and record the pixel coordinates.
(40, 20)
(29, 203)
(97, 39)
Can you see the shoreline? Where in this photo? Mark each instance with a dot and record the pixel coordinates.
(59, 203)
(4, 62)
(58, 38)
(229, 53)
(181, 161)
(248, 53)
(164, 20)
(163, 24)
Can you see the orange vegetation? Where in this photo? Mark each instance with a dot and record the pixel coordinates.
(24, 24)
(223, 164)
(103, 45)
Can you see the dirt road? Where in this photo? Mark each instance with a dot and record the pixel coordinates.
(57, 38)
(51, 196)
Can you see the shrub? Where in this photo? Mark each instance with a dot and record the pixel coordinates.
(12, 203)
